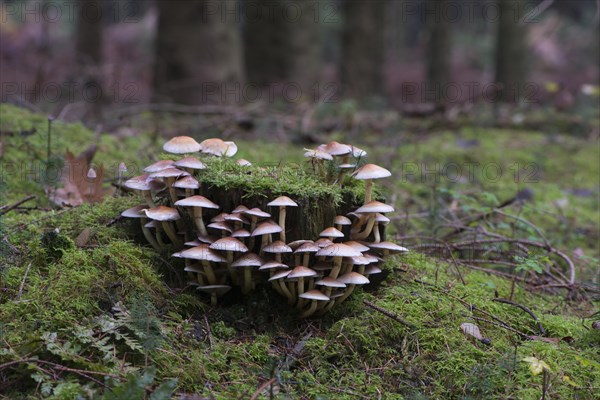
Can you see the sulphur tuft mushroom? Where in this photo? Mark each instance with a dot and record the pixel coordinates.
(197, 203)
(368, 173)
(181, 145)
(164, 215)
(314, 296)
(218, 147)
(282, 202)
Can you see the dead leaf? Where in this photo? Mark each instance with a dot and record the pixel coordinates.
(83, 238)
(470, 329)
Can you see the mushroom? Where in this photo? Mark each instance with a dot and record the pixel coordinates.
(330, 283)
(338, 251)
(247, 261)
(170, 174)
(387, 247)
(198, 203)
(341, 221)
(136, 212)
(215, 291)
(181, 145)
(351, 279)
(314, 296)
(156, 225)
(282, 202)
(379, 219)
(368, 172)
(230, 245)
(205, 255)
(368, 212)
(331, 234)
(277, 278)
(121, 171)
(165, 215)
(189, 183)
(265, 229)
(224, 227)
(278, 248)
(190, 164)
(159, 166)
(144, 185)
(255, 214)
(300, 272)
(218, 147)
(305, 250)
(316, 158)
(242, 162)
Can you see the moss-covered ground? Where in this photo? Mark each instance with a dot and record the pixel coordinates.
(88, 311)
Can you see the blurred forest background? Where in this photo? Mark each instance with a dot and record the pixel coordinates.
(102, 59)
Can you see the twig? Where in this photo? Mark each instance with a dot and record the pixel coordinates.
(208, 332)
(262, 387)
(6, 208)
(387, 313)
(527, 310)
(507, 327)
(23, 282)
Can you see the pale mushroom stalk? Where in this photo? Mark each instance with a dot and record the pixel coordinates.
(148, 235)
(376, 233)
(210, 273)
(368, 190)
(343, 297)
(159, 238)
(147, 196)
(172, 191)
(286, 291)
(266, 239)
(171, 233)
(306, 259)
(337, 266)
(247, 280)
(282, 213)
(198, 220)
(300, 287)
(310, 310)
(340, 177)
(368, 228)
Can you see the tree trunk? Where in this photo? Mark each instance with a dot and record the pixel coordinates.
(89, 33)
(439, 51)
(511, 51)
(198, 52)
(362, 48)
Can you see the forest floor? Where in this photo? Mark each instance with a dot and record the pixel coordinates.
(87, 310)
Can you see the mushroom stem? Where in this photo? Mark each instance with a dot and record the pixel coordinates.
(286, 292)
(210, 273)
(230, 268)
(342, 172)
(199, 222)
(368, 190)
(343, 297)
(213, 299)
(171, 233)
(172, 191)
(159, 238)
(306, 259)
(247, 280)
(337, 266)
(299, 292)
(148, 235)
(147, 196)
(368, 229)
(310, 310)
(376, 233)
(282, 223)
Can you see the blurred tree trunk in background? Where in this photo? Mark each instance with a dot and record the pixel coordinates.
(438, 55)
(89, 32)
(198, 54)
(511, 50)
(282, 43)
(362, 48)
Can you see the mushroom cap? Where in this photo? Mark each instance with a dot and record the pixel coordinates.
(307, 248)
(272, 265)
(159, 166)
(282, 201)
(169, 173)
(248, 260)
(134, 212)
(338, 250)
(181, 145)
(371, 257)
(388, 246)
(193, 268)
(353, 278)
(381, 218)
(357, 152)
(371, 171)
(314, 294)
(301, 272)
(219, 217)
(331, 232)
(346, 166)
(207, 239)
(193, 243)
(152, 224)
(256, 212)
(190, 162)
(196, 201)
(229, 244)
(357, 246)
(266, 228)
(341, 220)
(188, 182)
(222, 226)
(242, 162)
(218, 289)
(372, 270)
(279, 275)
(162, 213)
(240, 233)
(297, 243)
(375, 207)
(142, 182)
(277, 247)
(335, 149)
(361, 260)
(316, 153)
(236, 218)
(202, 252)
(239, 209)
(323, 242)
(330, 282)
(218, 147)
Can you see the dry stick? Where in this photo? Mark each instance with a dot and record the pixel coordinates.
(6, 208)
(387, 313)
(500, 325)
(23, 282)
(263, 387)
(527, 310)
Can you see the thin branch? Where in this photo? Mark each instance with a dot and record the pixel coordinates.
(387, 313)
(6, 208)
(23, 282)
(527, 310)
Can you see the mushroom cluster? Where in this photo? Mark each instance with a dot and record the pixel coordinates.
(246, 246)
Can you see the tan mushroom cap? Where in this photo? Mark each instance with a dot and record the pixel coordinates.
(277, 247)
(159, 166)
(240, 233)
(279, 275)
(282, 201)
(207, 239)
(202, 252)
(169, 173)
(341, 220)
(388, 246)
(236, 218)
(152, 224)
(314, 294)
(162, 213)
(248, 260)
(229, 244)
(256, 212)
(323, 242)
(239, 209)
(196, 201)
(316, 153)
(188, 182)
(335, 149)
(266, 228)
(272, 265)
(301, 272)
(375, 207)
(222, 226)
(381, 218)
(219, 217)
(357, 246)
(331, 232)
(142, 182)
(372, 270)
(193, 243)
(135, 212)
(218, 147)
(181, 145)
(307, 248)
(242, 162)
(338, 250)
(218, 289)
(357, 152)
(371, 171)
(330, 282)
(297, 243)
(361, 260)
(353, 278)
(190, 162)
